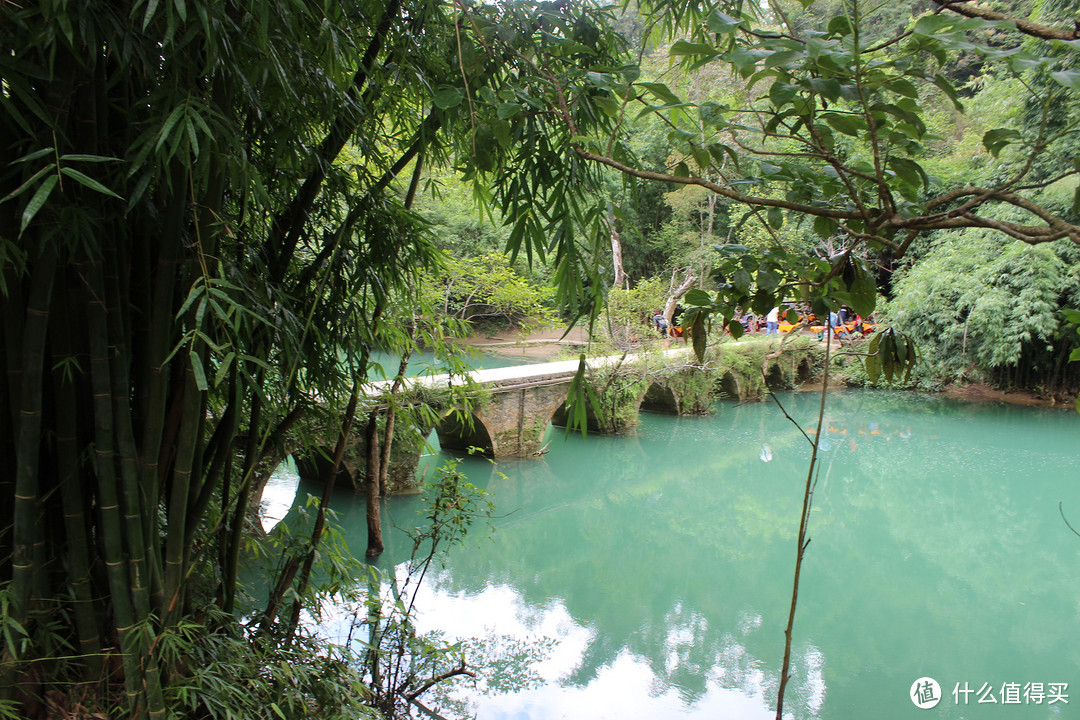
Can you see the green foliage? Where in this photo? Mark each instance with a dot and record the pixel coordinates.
(228, 677)
(205, 232)
(459, 224)
(758, 282)
(979, 306)
(888, 353)
(401, 664)
(580, 399)
(846, 105)
(452, 505)
(487, 291)
(628, 312)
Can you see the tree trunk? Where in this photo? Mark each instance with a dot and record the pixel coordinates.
(388, 434)
(374, 514)
(621, 280)
(320, 518)
(673, 299)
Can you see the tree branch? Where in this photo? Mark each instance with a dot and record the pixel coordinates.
(1044, 32)
(285, 232)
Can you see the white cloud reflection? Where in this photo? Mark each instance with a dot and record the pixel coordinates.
(626, 687)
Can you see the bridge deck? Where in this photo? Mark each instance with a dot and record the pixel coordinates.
(518, 375)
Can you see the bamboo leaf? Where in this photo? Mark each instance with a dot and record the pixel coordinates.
(166, 129)
(192, 138)
(210, 343)
(151, 8)
(193, 295)
(37, 201)
(26, 185)
(89, 182)
(223, 368)
(577, 415)
(222, 315)
(258, 361)
(34, 155)
(198, 370)
(81, 157)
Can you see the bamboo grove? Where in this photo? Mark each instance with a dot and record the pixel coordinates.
(203, 234)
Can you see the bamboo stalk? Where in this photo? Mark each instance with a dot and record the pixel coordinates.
(222, 443)
(72, 489)
(156, 382)
(111, 523)
(28, 530)
(127, 461)
(374, 514)
(14, 315)
(181, 478)
(324, 504)
(235, 529)
(134, 511)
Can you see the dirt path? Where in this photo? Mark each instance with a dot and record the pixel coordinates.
(545, 344)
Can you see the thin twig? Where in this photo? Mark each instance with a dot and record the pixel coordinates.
(803, 541)
(1067, 523)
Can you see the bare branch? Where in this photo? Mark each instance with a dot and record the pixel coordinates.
(1045, 32)
(718, 189)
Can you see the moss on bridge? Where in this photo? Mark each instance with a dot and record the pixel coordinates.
(678, 384)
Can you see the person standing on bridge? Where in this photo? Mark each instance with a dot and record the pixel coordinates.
(661, 324)
(772, 322)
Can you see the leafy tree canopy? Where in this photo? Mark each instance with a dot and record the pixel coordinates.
(833, 128)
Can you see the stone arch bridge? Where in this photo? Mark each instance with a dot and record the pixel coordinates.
(519, 402)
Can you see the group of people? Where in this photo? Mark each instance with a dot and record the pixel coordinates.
(843, 322)
(840, 321)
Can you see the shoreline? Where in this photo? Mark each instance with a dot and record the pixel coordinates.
(551, 343)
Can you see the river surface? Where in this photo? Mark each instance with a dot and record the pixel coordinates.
(649, 576)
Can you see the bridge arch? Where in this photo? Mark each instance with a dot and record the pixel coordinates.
(660, 398)
(805, 371)
(560, 417)
(459, 434)
(774, 378)
(729, 386)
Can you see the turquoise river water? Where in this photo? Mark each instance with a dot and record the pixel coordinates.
(649, 576)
